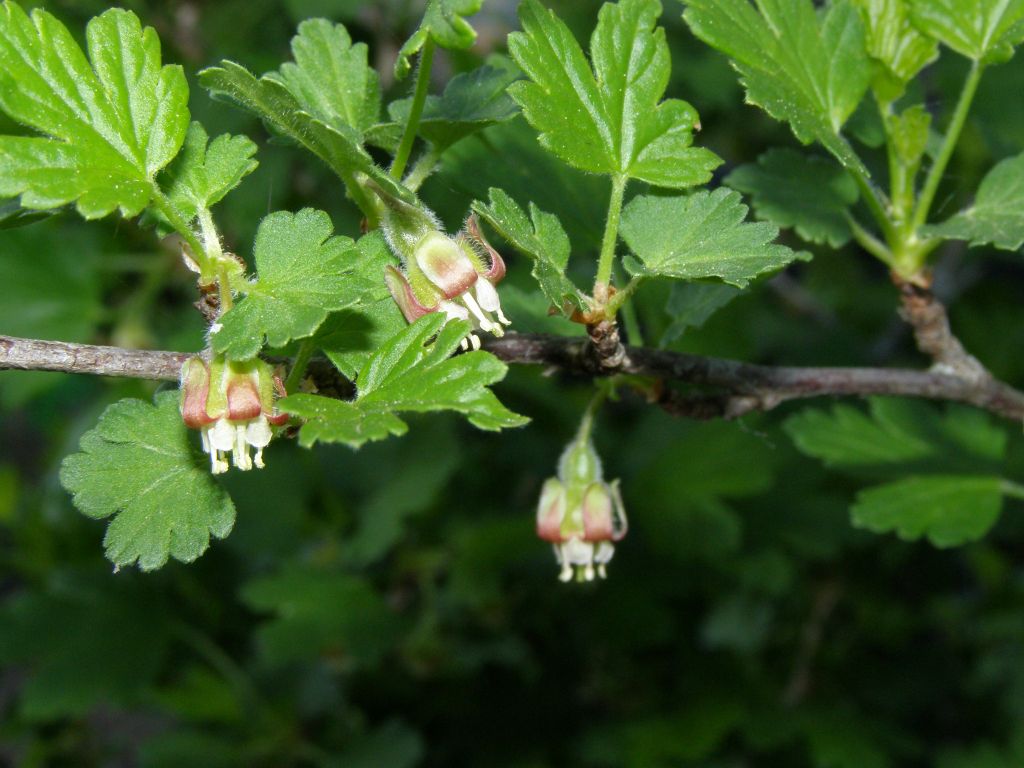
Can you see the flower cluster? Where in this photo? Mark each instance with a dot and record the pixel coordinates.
(455, 275)
(232, 405)
(580, 514)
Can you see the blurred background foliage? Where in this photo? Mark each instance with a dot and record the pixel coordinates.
(392, 607)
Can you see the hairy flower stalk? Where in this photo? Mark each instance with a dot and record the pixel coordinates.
(232, 406)
(454, 275)
(579, 513)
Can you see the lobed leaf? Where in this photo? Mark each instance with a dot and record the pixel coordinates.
(983, 30)
(413, 371)
(339, 146)
(997, 216)
(900, 49)
(206, 171)
(948, 510)
(138, 465)
(108, 123)
(808, 69)
(609, 119)
(698, 236)
(303, 273)
(690, 305)
(807, 193)
(539, 237)
(896, 431)
(471, 102)
(331, 78)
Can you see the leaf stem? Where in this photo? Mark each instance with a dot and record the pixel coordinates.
(364, 202)
(302, 358)
(963, 106)
(419, 98)
(873, 199)
(869, 242)
(622, 296)
(422, 169)
(1012, 489)
(611, 236)
(587, 422)
(174, 217)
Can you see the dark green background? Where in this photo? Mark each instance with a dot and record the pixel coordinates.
(392, 607)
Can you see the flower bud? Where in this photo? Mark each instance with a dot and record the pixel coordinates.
(453, 275)
(232, 406)
(580, 514)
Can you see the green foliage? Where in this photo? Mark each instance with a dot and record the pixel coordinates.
(138, 466)
(807, 193)
(896, 44)
(330, 77)
(471, 102)
(206, 171)
(539, 237)
(444, 24)
(302, 274)
(104, 139)
(808, 69)
(410, 373)
(983, 30)
(309, 118)
(947, 506)
(950, 510)
(997, 216)
(691, 304)
(702, 235)
(610, 119)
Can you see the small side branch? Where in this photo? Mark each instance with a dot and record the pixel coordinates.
(927, 316)
(717, 388)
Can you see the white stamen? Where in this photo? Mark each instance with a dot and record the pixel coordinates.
(464, 344)
(474, 341)
(474, 308)
(487, 296)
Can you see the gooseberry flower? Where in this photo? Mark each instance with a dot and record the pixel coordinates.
(232, 406)
(580, 514)
(454, 275)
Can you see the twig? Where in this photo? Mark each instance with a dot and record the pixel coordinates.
(739, 388)
(927, 316)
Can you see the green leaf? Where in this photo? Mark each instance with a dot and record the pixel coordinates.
(997, 216)
(204, 173)
(698, 236)
(320, 613)
(13, 215)
(949, 510)
(896, 44)
(139, 465)
(108, 124)
(983, 30)
(691, 304)
(331, 78)
(471, 102)
(541, 238)
(610, 119)
(444, 23)
(411, 372)
(340, 146)
(302, 274)
(895, 431)
(809, 194)
(808, 69)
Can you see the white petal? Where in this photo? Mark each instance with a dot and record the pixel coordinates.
(240, 454)
(487, 296)
(578, 552)
(454, 311)
(258, 433)
(222, 435)
(604, 552)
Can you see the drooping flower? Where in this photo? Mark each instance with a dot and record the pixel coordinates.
(232, 406)
(454, 275)
(581, 514)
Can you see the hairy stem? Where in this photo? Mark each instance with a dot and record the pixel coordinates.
(963, 106)
(419, 98)
(611, 236)
(298, 370)
(174, 217)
